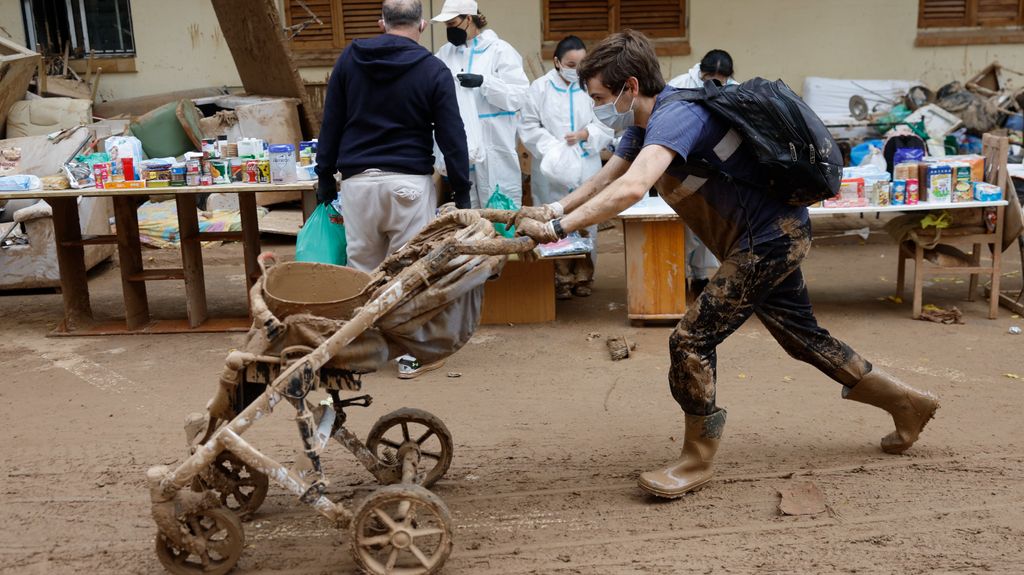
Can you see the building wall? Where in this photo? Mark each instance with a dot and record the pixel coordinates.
(789, 39)
(792, 39)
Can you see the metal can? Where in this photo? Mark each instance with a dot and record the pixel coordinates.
(252, 171)
(913, 192)
(264, 171)
(101, 174)
(205, 180)
(899, 192)
(178, 174)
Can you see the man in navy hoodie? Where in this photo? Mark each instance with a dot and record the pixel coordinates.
(387, 101)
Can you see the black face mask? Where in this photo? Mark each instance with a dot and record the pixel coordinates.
(457, 36)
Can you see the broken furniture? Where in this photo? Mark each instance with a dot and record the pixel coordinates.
(950, 260)
(70, 244)
(17, 66)
(35, 264)
(47, 115)
(654, 241)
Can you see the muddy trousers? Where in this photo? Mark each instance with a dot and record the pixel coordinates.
(766, 282)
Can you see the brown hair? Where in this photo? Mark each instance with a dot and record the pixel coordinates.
(620, 56)
(480, 21)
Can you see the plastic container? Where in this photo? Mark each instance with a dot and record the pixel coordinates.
(282, 164)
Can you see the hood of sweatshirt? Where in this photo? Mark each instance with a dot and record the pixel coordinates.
(387, 56)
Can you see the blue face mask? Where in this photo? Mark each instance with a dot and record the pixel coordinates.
(608, 115)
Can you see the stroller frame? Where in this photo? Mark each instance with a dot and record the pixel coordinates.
(194, 523)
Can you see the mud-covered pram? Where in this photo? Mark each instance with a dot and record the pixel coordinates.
(424, 299)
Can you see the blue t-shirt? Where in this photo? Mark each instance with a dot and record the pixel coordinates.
(726, 214)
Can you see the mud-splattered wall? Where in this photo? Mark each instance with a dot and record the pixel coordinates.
(181, 47)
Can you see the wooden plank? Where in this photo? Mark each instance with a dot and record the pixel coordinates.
(655, 254)
(259, 47)
(156, 275)
(74, 281)
(129, 253)
(169, 191)
(220, 236)
(524, 293)
(103, 240)
(250, 237)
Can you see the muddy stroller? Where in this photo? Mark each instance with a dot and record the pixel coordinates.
(318, 329)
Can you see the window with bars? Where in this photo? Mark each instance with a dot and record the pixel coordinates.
(81, 27)
(664, 21)
(945, 22)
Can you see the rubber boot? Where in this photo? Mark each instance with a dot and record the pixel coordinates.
(910, 409)
(700, 443)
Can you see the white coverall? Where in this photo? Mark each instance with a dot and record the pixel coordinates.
(700, 262)
(495, 114)
(553, 110)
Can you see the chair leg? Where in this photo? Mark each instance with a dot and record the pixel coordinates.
(918, 280)
(972, 292)
(901, 272)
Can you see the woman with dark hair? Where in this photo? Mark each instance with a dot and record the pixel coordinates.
(491, 87)
(565, 142)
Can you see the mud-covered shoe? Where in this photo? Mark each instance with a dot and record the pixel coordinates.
(563, 292)
(409, 367)
(582, 290)
(911, 409)
(694, 469)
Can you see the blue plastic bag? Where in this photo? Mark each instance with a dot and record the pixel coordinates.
(499, 201)
(322, 238)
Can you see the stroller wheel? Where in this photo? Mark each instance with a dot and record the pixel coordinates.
(239, 487)
(217, 544)
(409, 428)
(401, 529)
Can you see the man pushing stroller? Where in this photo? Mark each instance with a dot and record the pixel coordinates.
(712, 178)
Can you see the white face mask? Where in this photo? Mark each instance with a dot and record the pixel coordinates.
(608, 115)
(570, 75)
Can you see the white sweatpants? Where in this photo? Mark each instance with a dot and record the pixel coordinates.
(383, 211)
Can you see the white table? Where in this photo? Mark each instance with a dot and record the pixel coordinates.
(655, 254)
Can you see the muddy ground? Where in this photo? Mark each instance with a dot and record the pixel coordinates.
(550, 436)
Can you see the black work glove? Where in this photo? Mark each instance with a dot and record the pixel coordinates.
(326, 190)
(470, 80)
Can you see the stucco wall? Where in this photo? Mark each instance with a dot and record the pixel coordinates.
(792, 39)
(183, 48)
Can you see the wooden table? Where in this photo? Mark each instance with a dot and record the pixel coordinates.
(78, 317)
(523, 293)
(655, 250)
(655, 253)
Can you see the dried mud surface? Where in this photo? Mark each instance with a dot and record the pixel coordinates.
(550, 436)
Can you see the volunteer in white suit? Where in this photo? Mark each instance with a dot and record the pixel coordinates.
(701, 264)
(565, 141)
(489, 74)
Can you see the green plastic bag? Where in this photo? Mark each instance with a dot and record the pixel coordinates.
(322, 238)
(499, 201)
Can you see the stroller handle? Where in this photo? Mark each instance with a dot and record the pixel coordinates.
(497, 246)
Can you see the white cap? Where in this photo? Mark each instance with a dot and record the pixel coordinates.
(456, 8)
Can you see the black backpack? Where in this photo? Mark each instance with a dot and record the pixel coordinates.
(803, 163)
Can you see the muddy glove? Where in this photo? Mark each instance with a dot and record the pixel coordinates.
(470, 80)
(544, 213)
(540, 232)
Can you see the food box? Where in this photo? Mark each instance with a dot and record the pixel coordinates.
(963, 191)
(880, 194)
(976, 162)
(851, 195)
(984, 192)
(125, 185)
(939, 183)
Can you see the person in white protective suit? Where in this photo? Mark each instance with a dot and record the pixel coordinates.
(701, 264)
(491, 88)
(565, 141)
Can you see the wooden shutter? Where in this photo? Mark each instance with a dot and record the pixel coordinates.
(359, 19)
(998, 12)
(314, 36)
(656, 18)
(942, 13)
(588, 19)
